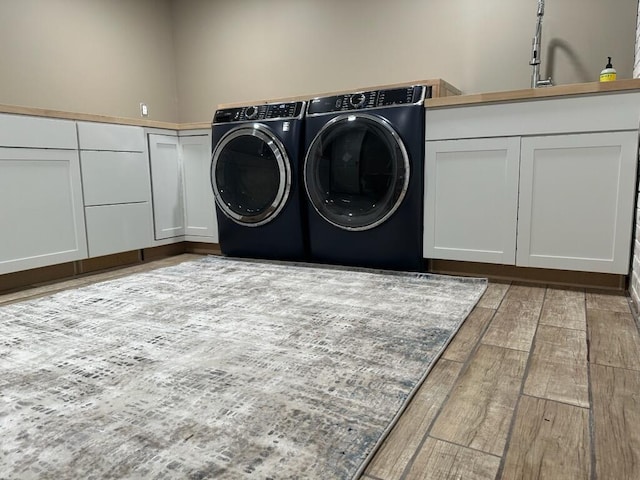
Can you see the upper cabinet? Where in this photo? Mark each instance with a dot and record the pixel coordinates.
(545, 183)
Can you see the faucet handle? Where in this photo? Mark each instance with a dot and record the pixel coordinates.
(545, 83)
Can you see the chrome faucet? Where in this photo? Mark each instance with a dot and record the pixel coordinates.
(535, 52)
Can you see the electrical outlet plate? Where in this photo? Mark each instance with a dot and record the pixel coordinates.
(144, 110)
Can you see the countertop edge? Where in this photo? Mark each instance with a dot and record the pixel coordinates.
(529, 94)
(447, 96)
(89, 117)
(439, 86)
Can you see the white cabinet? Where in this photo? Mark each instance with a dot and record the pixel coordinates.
(166, 185)
(115, 177)
(37, 132)
(41, 209)
(545, 183)
(577, 201)
(112, 137)
(471, 199)
(183, 202)
(116, 186)
(118, 228)
(199, 202)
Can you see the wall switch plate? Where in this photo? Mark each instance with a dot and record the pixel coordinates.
(144, 110)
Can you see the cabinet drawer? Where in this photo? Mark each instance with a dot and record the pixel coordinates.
(118, 228)
(104, 136)
(114, 177)
(577, 114)
(37, 132)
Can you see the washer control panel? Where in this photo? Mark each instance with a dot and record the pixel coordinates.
(370, 99)
(268, 111)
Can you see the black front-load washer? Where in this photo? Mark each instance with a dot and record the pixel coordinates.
(256, 165)
(364, 176)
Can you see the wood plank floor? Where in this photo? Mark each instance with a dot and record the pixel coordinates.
(549, 388)
(539, 383)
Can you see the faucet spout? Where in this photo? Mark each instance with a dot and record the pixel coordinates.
(535, 51)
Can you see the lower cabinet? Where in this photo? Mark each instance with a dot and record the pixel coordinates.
(118, 228)
(199, 202)
(471, 199)
(73, 190)
(183, 201)
(116, 187)
(577, 201)
(166, 186)
(41, 209)
(557, 201)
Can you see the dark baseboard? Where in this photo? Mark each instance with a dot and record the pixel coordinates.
(156, 253)
(64, 271)
(11, 282)
(203, 248)
(561, 278)
(107, 262)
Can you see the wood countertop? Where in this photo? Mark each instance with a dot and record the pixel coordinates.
(444, 95)
(440, 88)
(87, 117)
(535, 93)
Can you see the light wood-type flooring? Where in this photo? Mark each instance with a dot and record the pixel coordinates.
(539, 383)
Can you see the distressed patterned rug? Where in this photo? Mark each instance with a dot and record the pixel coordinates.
(219, 369)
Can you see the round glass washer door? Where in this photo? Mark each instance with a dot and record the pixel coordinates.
(356, 171)
(250, 175)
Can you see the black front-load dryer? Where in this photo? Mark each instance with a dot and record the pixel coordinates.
(256, 165)
(363, 176)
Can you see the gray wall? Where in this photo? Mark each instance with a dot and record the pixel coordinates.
(106, 56)
(91, 56)
(237, 50)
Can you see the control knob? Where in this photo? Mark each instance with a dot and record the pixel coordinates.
(357, 100)
(251, 113)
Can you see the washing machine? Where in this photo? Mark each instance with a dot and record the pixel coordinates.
(363, 176)
(256, 164)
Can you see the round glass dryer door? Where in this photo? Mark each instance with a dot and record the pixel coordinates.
(356, 171)
(250, 175)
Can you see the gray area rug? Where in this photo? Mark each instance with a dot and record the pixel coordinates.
(219, 369)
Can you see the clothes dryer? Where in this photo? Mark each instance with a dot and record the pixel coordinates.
(255, 175)
(363, 176)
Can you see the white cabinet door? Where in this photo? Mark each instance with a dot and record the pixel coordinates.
(576, 201)
(166, 186)
(41, 210)
(199, 202)
(471, 198)
(118, 228)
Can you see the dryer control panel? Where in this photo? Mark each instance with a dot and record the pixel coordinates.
(268, 111)
(370, 99)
